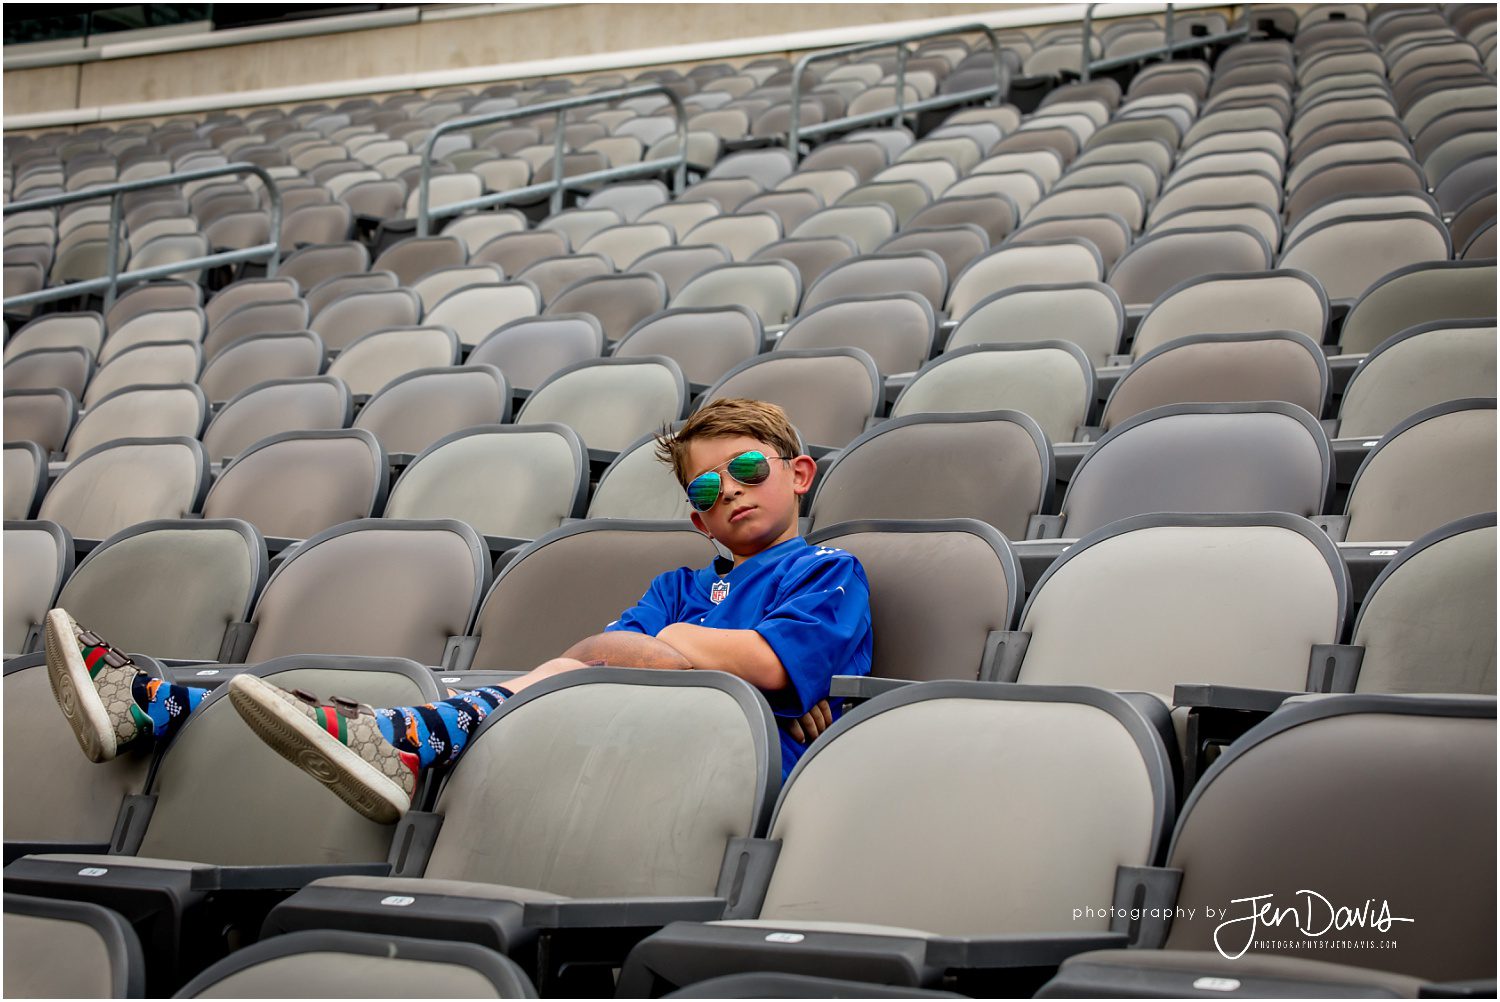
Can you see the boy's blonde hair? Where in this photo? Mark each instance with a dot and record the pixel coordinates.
(727, 418)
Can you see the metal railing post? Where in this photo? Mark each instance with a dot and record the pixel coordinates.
(1088, 42)
(110, 283)
(558, 186)
(900, 84)
(1171, 41)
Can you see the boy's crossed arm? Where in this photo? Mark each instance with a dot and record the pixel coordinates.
(682, 646)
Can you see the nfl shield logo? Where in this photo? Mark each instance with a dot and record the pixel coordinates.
(719, 592)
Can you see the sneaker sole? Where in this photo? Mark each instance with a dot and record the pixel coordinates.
(300, 741)
(74, 689)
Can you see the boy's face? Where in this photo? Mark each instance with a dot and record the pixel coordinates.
(749, 519)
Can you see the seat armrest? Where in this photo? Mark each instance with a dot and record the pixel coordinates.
(1208, 696)
(280, 878)
(613, 913)
(1027, 950)
(862, 687)
(15, 850)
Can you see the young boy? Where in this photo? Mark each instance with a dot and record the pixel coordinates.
(781, 614)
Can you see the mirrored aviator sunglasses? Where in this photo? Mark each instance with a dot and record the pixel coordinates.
(749, 468)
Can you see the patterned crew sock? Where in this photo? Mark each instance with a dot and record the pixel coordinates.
(166, 704)
(438, 732)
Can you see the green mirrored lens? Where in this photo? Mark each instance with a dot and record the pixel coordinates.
(749, 468)
(703, 491)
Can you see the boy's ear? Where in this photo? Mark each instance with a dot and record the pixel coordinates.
(804, 469)
(697, 521)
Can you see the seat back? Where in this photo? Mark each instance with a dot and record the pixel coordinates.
(1422, 366)
(921, 272)
(38, 559)
(638, 485)
(311, 403)
(1088, 314)
(275, 317)
(295, 484)
(1431, 469)
(1232, 599)
(1050, 381)
(150, 411)
(896, 329)
(45, 417)
(148, 363)
(926, 774)
(618, 302)
(1230, 304)
(68, 368)
(609, 402)
(370, 364)
(503, 480)
(993, 466)
(328, 962)
(1446, 290)
(377, 587)
(1162, 261)
(70, 949)
(1423, 623)
(58, 330)
(532, 349)
(182, 324)
(681, 763)
(1349, 256)
(171, 587)
(829, 394)
(1349, 831)
(223, 795)
(1008, 266)
(261, 358)
(1223, 368)
(1202, 458)
(121, 483)
(704, 342)
(939, 589)
(536, 610)
(415, 410)
(417, 257)
(771, 289)
(25, 479)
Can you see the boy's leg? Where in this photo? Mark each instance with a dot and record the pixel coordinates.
(370, 758)
(107, 700)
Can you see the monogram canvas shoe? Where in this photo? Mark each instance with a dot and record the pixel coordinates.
(340, 745)
(93, 684)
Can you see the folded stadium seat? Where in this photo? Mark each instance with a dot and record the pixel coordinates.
(378, 357)
(58, 330)
(637, 485)
(771, 289)
(1050, 381)
(1199, 458)
(1417, 368)
(1369, 177)
(830, 394)
(45, 417)
(1464, 180)
(728, 193)
(322, 295)
(149, 362)
(306, 403)
(578, 225)
(1138, 129)
(216, 567)
(1481, 247)
(202, 854)
(532, 349)
(1107, 231)
(377, 197)
(618, 302)
(1429, 470)
(1283, 299)
(259, 358)
(789, 207)
(1427, 104)
(332, 962)
(1008, 481)
(741, 235)
(180, 324)
(1159, 262)
(809, 256)
(38, 560)
(905, 198)
(1069, 259)
(1416, 294)
(23, 277)
(864, 158)
(351, 316)
(626, 243)
(699, 748)
(308, 266)
(896, 329)
(1223, 368)
(1218, 190)
(995, 214)
(629, 198)
(609, 401)
(963, 151)
(766, 166)
(552, 275)
(147, 477)
(1155, 153)
(68, 949)
(1357, 151)
(1362, 205)
(867, 225)
(316, 224)
(163, 294)
(25, 479)
(142, 411)
(1088, 314)
(704, 342)
(954, 245)
(1431, 755)
(419, 407)
(922, 921)
(278, 317)
(921, 272)
(1230, 162)
(1349, 256)
(481, 227)
(475, 310)
(1022, 188)
(68, 368)
(510, 484)
(247, 291)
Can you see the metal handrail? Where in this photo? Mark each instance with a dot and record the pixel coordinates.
(558, 184)
(1090, 66)
(795, 132)
(114, 279)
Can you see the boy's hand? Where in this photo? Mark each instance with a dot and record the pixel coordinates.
(806, 729)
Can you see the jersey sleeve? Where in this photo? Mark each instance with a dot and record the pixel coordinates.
(819, 622)
(657, 609)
